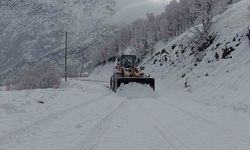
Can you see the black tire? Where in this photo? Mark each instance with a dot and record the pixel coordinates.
(110, 83)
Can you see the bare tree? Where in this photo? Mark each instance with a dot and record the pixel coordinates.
(205, 10)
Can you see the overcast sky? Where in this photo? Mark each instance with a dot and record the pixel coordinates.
(158, 0)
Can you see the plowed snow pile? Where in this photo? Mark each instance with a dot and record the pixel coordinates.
(135, 90)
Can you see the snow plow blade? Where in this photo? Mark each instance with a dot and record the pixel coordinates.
(146, 81)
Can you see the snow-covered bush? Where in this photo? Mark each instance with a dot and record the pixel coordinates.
(42, 76)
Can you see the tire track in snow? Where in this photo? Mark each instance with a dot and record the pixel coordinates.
(96, 134)
(172, 140)
(5, 138)
(243, 138)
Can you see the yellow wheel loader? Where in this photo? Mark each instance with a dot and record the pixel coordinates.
(127, 71)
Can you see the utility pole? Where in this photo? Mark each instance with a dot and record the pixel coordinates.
(66, 53)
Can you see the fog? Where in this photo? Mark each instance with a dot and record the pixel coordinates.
(131, 10)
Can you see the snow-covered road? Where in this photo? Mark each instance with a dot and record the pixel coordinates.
(86, 115)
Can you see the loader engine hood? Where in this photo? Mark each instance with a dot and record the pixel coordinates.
(132, 72)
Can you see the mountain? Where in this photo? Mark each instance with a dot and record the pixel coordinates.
(33, 31)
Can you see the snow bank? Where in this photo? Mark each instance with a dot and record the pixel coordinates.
(21, 108)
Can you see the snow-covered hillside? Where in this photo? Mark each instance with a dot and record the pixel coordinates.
(220, 82)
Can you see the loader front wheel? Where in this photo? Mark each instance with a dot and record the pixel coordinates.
(111, 86)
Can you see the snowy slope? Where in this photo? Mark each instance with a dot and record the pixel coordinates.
(222, 83)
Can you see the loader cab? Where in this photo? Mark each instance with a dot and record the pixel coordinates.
(126, 71)
(128, 61)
